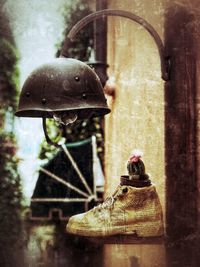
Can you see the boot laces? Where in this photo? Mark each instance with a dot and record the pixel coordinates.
(109, 201)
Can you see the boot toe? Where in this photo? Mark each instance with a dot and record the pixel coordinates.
(76, 223)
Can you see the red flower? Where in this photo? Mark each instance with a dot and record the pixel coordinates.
(134, 158)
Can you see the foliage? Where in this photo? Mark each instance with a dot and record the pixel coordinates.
(81, 129)
(10, 183)
(10, 189)
(81, 46)
(9, 75)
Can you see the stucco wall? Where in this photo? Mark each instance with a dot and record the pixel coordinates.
(157, 117)
(137, 117)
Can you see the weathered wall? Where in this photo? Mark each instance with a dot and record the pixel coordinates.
(137, 117)
(182, 41)
(159, 118)
(197, 129)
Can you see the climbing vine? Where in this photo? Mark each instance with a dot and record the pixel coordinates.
(10, 183)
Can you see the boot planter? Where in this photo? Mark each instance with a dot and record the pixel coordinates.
(134, 208)
(130, 210)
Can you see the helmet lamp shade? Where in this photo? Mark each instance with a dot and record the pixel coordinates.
(62, 86)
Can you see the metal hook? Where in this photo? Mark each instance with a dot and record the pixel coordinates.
(164, 58)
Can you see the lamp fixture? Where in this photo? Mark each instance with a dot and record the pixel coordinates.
(67, 89)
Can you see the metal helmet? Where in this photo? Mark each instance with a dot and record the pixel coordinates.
(63, 85)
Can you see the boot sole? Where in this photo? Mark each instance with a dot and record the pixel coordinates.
(144, 229)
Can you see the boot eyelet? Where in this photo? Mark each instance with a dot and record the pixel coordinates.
(125, 190)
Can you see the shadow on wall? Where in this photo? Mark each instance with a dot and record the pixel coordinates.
(180, 93)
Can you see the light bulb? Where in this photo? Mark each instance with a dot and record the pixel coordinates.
(65, 118)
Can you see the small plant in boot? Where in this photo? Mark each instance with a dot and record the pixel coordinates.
(134, 208)
(135, 165)
(136, 171)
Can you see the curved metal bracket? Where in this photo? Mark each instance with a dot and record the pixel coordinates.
(164, 59)
(49, 141)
